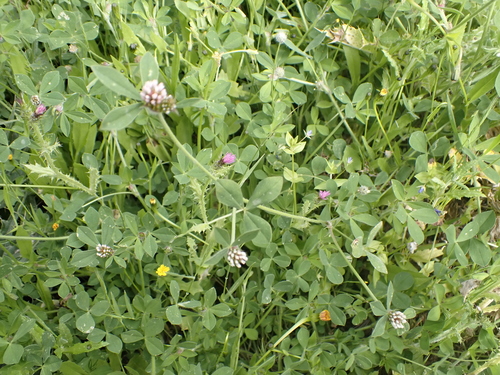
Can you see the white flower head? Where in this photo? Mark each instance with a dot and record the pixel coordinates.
(363, 190)
(104, 251)
(279, 72)
(397, 319)
(412, 246)
(236, 257)
(281, 36)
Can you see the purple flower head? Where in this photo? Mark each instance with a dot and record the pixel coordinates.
(323, 194)
(40, 110)
(228, 158)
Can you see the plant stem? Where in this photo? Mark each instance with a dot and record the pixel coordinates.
(181, 147)
(353, 270)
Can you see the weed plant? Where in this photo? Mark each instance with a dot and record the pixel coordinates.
(249, 187)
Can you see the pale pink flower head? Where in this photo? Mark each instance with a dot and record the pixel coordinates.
(40, 110)
(323, 194)
(228, 158)
(155, 97)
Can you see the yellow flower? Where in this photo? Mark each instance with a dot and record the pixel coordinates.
(384, 92)
(162, 270)
(325, 316)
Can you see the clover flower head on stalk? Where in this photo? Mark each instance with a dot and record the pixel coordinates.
(323, 194)
(227, 159)
(278, 73)
(412, 247)
(35, 100)
(281, 36)
(236, 257)
(156, 98)
(397, 319)
(104, 251)
(363, 190)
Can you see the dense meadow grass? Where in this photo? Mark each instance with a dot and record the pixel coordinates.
(249, 187)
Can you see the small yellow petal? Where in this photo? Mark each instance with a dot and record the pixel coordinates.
(162, 270)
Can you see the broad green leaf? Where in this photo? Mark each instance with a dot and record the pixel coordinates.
(333, 275)
(244, 111)
(376, 262)
(227, 370)
(390, 294)
(82, 300)
(219, 89)
(148, 67)
(100, 308)
(266, 191)
(214, 259)
(49, 81)
(221, 310)
(131, 336)
(377, 308)
(83, 259)
(115, 345)
(87, 236)
(115, 81)
(85, 323)
(174, 314)
(353, 61)
(13, 354)
(154, 327)
(246, 237)
(229, 193)
(222, 237)
(23, 329)
(251, 222)
(209, 321)
(469, 231)
(379, 329)
(154, 345)
(20, 143)
(362, 91)
(337, 315)
(71, 368)
(150, 246)
(426, 215)
(479, 252)
(121, 117)
(434, 313)
(398, 189)
(418, 141)
(25, 84)
(415, 231)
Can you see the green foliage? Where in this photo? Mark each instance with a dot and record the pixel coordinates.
(318, 196)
